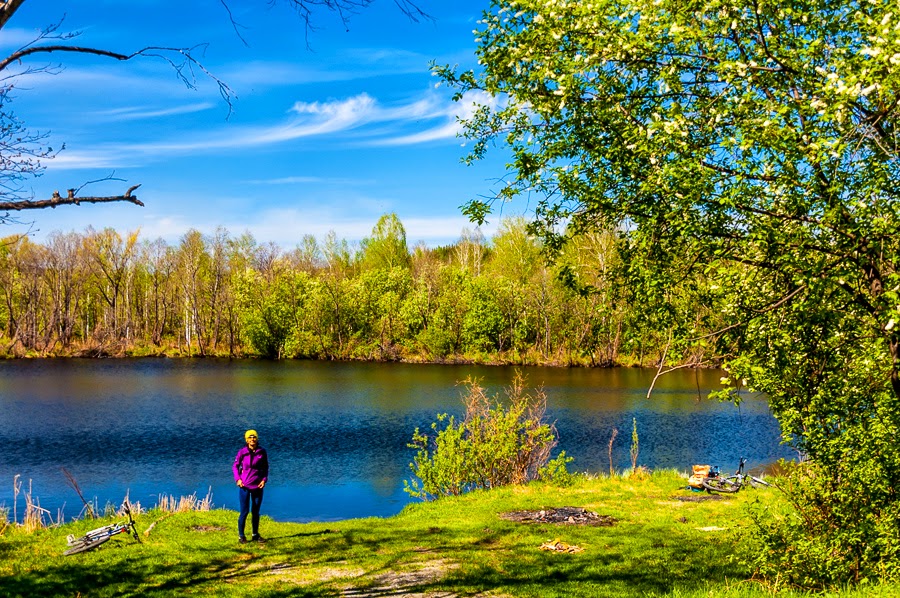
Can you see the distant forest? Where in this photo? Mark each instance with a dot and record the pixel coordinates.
(497, 300)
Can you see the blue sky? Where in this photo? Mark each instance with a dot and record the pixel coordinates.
(329, 130)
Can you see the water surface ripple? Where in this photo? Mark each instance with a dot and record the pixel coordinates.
(336, 433)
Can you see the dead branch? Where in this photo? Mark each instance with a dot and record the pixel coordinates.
(73, 483)
(182, 60)
(8, 9)
(152, 525)
(70, 199)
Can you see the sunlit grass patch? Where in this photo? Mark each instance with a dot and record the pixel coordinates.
(660, 545)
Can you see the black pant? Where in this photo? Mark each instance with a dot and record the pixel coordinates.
(251, 501)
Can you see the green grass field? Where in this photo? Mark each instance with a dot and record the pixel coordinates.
(659, 545)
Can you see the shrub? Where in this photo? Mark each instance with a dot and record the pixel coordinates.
(556, 472)
(813, 545)
(497, 444)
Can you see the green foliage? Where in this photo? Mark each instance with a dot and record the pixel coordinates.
(484, 300)
(745, 157)
(442, 329)
(499, 443)
(635, 444)
(380, 295)
(270, 310)
(386, 248)
(483, 319)
(556, 471)
(806, 546)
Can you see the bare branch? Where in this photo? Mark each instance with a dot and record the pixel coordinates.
(70, 199)
(24, 52)
(184, 68)
(234, 24)
(412, 11)
(8, 9)
(346, 8)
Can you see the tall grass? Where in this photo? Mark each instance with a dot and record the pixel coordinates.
(167, 503)
(36, 518)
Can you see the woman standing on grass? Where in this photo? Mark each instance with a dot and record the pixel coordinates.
(251, 471)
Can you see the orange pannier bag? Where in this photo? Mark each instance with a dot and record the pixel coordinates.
(698, 474)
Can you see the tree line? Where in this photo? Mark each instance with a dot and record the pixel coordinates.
(102, 293)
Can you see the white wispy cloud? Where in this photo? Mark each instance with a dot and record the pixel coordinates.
(354, 64)
(143, 112)
(129, 79)
(450, 113)
(14, 38)
(446, 131)
(92, 158)
(341, 120)
(265, 74)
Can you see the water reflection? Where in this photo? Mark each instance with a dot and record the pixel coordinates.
(336, 433)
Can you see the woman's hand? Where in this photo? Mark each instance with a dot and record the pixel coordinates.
(240, 484)
(262, 483)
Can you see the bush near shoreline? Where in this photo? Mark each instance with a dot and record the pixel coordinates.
(663, 541)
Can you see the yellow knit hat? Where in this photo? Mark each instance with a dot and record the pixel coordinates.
(250, 433)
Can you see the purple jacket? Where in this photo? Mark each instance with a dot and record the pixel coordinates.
(251, 468)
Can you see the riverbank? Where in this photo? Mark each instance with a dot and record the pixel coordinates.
(393, 355)
(651, 537)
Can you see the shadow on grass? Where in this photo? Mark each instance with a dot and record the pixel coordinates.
(132, 575)
(505, 560)
(416, 557)
(324, 532)
(526, 571)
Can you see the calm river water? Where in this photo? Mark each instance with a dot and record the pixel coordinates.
(336, 433)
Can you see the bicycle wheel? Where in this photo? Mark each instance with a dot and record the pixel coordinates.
(754, 482)
(727, 485)
(82, 546)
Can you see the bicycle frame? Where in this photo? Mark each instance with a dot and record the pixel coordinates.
(96, 537)
(733, 483)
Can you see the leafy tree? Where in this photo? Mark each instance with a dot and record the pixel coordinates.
(110, 257)
(65, 275)
(386, 248)
(516, 254)
(515, 264)
(746, 155)
(381, 294)
(23, 294)
(591, 265)
(483, 320)
(447, 332)
(159, 265)
(272, 308)
(470, 251)
(307, 256)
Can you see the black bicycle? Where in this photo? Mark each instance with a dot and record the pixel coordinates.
(715, 482)
(101, 535)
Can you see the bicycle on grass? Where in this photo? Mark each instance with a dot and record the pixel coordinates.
(715, 482)
(96, 537)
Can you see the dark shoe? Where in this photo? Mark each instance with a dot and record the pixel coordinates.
(242, 540)
(258, 538)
